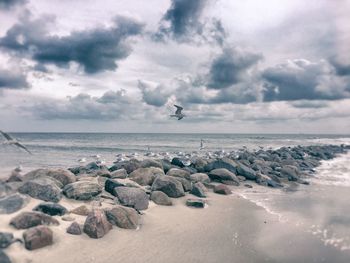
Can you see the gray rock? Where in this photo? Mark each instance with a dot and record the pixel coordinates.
(82, 190)
(129, 166)
(123, 217)
(176, 172)
(51, 209)
(132, 197)
(4, 258)
(248, 185)
(74, 229)
(291, 172)
(102, 172)
(43, 188)
(110, 184)
(222, 189)
(15, 177)
(121, 174)
(145, 176)
(197, 203)
(189, 169)
(6, 239)
(151, 163)
(186, 184)
(178, 162)
(96, 224)
(199, 164)
(81, 210)
(160, 198)
(198, 189)
(221, 163)
(5, 189)
(63, 176)
(29, 219)
(12, 203)
(37, 237)
(245, 171)
(168, 185)
(200, 177)
(223, 174)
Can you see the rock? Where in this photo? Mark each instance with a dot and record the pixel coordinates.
(291, 172)
(198, 189)
(121, 174)
(223, 174)
(168, 185)
(123, 217)
(29, 219)
(5, 190)
(110, 184)
(63, 176)
(199, 164)
(12, 203)
(37, 237)
(15, 177)
(43, 188)
(160, 198)
(129, 166)
(96, 224)
(178, 162)
(245, 171)
(6, 239)
(186, 184)
(189, 169)
(145, 176)
(13, 186)
(221, 163)
(74, 229)
(81, 210)
(241, 178)
(51, 209)
(167, 165)
(103, 173)
(200, 177)
(197, 203)
(82, 190)
(151, 163)
(248, 185)
(132, 197)
(4, 258)
(176, 172)
(67, 218)
(222, 189)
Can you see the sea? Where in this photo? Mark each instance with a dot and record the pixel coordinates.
(321, 209)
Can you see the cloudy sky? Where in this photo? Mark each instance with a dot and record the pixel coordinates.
(274, 66)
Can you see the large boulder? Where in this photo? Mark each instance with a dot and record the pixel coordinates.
(51, 209)
(178, 162)
(74, 229)
(132, 197)
(96, 224)
(110, 184)
(37, 237)
(123, 217)
(222, 163)
(245, 171)
(12, 203)
(146, 176)
(63, 176)
(291, 172)
(160, 198)
(200, 177)
(29, 219)
(199, 164)
(151, 163)
(222, 174)
(82, 190)
(222, 189)
(186, 184)
(119, 174)
(43, 188)
(176, 172)
(129, 166)
(199, 190)
(4, 258)
(5, 189)
(168, 185)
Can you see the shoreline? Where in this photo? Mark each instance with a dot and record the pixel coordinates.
(229, 227)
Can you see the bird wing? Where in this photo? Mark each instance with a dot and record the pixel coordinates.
(23, 147)
(7, 136)
(178, 109)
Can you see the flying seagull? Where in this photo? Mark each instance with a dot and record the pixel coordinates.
(13, 141)
(178, 114)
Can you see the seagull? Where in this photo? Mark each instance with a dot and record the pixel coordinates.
(201, 146)
(178, 114)
(13, 141)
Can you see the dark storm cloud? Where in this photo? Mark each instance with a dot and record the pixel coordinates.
(301, 79)
(96, 50)
(12, 80)
(8, 4)
(181, 19)
(309, 104)
(153, 96)
(110, 106)
(229, 67)
(340, 68)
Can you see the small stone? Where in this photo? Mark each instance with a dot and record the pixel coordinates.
(29, 219)
(81, 210)
(37, 237)
(51, 209)
(222, 189)
(6, 239)
(74, 229)
(197, 203)
(160, 198)
(198, 189)
(96, 224)
(248, 186)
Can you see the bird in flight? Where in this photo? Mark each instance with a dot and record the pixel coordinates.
(178, 114)
(13, 141)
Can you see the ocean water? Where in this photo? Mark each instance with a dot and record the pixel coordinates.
(320, 209)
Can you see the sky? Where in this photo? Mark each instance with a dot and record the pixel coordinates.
(273, 66)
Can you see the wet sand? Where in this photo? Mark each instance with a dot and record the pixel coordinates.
(230, 229)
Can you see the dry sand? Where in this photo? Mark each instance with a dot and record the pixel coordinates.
(230, 229)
